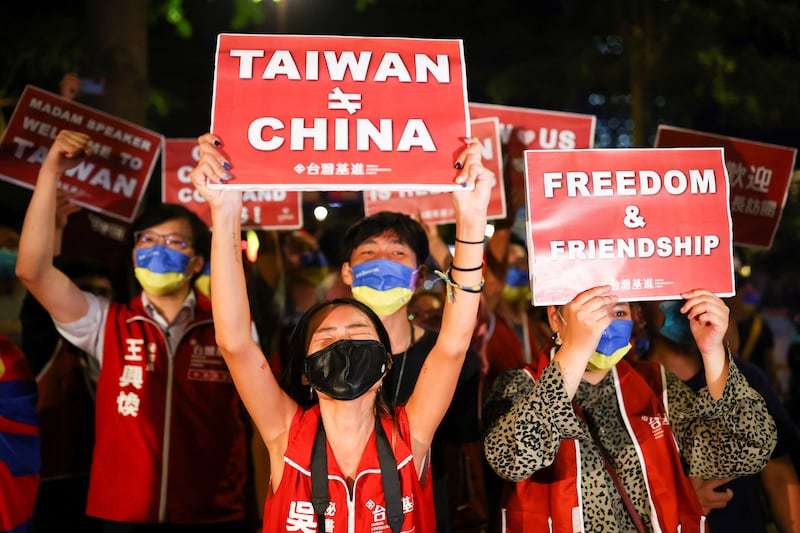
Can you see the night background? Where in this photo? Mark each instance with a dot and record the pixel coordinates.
(728, 67)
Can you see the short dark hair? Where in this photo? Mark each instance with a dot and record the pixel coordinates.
(407, 229)
(159, 213)
(292, 372)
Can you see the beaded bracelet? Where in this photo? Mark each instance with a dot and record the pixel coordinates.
(447, 277)
(462, 241)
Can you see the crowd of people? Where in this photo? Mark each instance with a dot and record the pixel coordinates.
(382, 380)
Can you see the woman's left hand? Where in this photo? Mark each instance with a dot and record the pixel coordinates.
(708, 318)
(477, 182)
(212, 167)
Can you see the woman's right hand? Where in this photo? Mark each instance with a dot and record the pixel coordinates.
(68, 150)
(586, 317)
(211, 168)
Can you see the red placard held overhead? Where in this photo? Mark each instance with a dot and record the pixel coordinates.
(112, 181)
(340, 113)
(759, 173)
(261, 209)
(652, 223)
(535, 129)
(437, 207)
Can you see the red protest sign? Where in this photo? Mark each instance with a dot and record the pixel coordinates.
(437, 207)
(759, 173)
(535, 129)
(112, 181)
(340, 113)
(652, 223)
(260, 209)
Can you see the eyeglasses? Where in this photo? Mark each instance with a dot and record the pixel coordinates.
(175, 241)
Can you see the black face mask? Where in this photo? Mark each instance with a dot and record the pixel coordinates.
(347, 368)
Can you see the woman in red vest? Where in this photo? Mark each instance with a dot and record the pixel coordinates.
(596, 442)
(346, 463)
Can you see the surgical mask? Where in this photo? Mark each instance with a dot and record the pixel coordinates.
(346, 369)
(676, 325)
(8, 263)
(160, 270)
(383, 285)
(517, 287)
(614, 343)
(750, 301)
(313, 267)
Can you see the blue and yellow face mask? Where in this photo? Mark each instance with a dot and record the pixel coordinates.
(160, 270)
(517, 287)
(203, 282)
(614, 344)
(383, 285)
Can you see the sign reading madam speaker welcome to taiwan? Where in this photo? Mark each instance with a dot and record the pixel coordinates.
(340, 113)
(760, 175)
(652, 223)
(112, 181)
(260, 209)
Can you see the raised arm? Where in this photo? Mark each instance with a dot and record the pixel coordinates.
(270, 408)
(55, 291)
(437, 380)
(708, 318)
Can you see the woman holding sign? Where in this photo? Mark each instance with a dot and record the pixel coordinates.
(348, 461)
(595, 442)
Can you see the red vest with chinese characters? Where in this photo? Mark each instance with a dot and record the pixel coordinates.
(290, 508)
(550, 498)
(170, 441)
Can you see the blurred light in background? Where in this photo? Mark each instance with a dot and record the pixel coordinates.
(320, 213)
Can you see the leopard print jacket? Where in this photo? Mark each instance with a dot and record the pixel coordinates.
(525, 421)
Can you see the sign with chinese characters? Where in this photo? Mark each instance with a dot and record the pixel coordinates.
(652, 223)
(112, 181)
(261, 209)
(535, 129)
(759, 173)
(437, 207)
(303, 112)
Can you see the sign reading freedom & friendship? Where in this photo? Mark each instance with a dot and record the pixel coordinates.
(340, 113)
(652, 223)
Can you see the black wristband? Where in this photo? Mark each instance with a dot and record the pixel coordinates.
(466, 269)
(462, 241)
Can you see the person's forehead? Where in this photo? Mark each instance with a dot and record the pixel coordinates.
(388, 237)
(173, 225)
(340, 316)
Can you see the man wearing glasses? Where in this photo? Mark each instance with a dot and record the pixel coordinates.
(170, 453)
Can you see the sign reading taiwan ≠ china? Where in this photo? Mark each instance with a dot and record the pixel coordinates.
(759, 173)
(652, 223)
(112, 181)
(340, 113)
(437, 207)
(535, 129)
(261, 209)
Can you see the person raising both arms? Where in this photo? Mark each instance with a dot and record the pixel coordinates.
(347, 462)
(596, 442)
